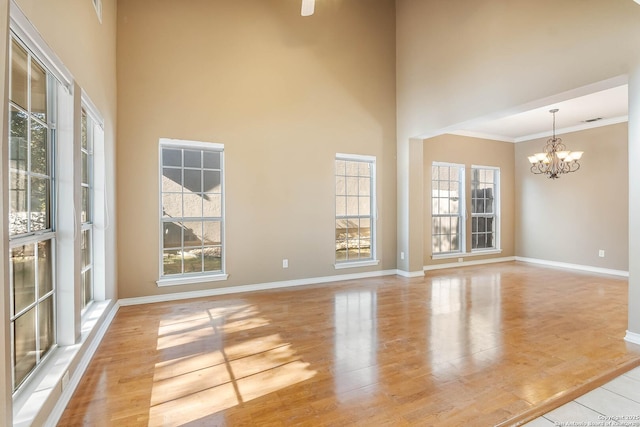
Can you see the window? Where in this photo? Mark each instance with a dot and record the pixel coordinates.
(192, 212)
(355, 207)
(447, 208)
(484, 207)
(31, 201)
(86, 213)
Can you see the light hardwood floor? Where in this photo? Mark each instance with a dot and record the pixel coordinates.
(475, 346)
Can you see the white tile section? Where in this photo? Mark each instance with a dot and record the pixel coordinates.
(635, 374)
(609, 403)
(618, 399)
(573, 411)
(540, 422)
(625, 386)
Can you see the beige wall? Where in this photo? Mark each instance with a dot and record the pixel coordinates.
(86, 47)
(459, 60)
(472, 151)
(571, 218)
(283, 94)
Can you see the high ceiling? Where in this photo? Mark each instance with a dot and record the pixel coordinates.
(609, 106)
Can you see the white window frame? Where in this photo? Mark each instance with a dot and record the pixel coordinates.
(88, 225)
(31, 237)
(201, 277)
(496, 209)
(461, 210)
(372, 260)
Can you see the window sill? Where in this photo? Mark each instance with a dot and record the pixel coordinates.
(467, 254)
(339, 266)
(190, 280)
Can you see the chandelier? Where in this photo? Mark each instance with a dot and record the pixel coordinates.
(556, 159)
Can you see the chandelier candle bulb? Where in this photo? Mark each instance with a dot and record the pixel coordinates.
(556, 159)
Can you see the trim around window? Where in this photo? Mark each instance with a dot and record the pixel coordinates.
(191, 212)
(355, 211)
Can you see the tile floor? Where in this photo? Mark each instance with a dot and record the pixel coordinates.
(616, 403)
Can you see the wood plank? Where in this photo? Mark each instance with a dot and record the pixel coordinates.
(482, 345)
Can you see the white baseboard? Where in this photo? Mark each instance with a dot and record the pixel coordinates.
(575, 266)
(632, 337)
(410, 273)
(70, 388)
(252, 288)
(467, 263)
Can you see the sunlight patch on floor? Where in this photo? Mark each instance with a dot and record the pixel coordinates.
(229, 369)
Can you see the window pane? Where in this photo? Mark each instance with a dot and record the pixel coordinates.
(24, 345)
(364, 169)
(364, 186)
(365, 248)
(455, 243)
(172, 179)
(192, 233)
(192, 159)
(18, 220)
(18, 149)
(172, 262)
(85, 214)
(192, 205)
(23, 277)
(193, 181)
(172, 205)
(19, 75)
(340, 186)
(45, 268)
(39, 204)
(172, 235)
(341, 239)
(364, 206)
(171, 157)
(212, 258)
(341, 206)
(85, 168)
(46, 325)
(87, 287)
(212, 233)
(352, 168)
(212, 206)
(39, 149)
(340, 167)
(38, 91)
(352, 186)
(83, 126)
(211, 160)
(193, 261)
(352, 206)
(212, 182)
(365, 228)
(85, 248)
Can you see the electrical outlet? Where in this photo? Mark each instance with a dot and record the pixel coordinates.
(401, 255)
(285, 263)
(601, 253)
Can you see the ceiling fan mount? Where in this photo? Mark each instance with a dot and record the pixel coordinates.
(308, 7)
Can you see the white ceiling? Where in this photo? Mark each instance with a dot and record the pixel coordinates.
(611, 105)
